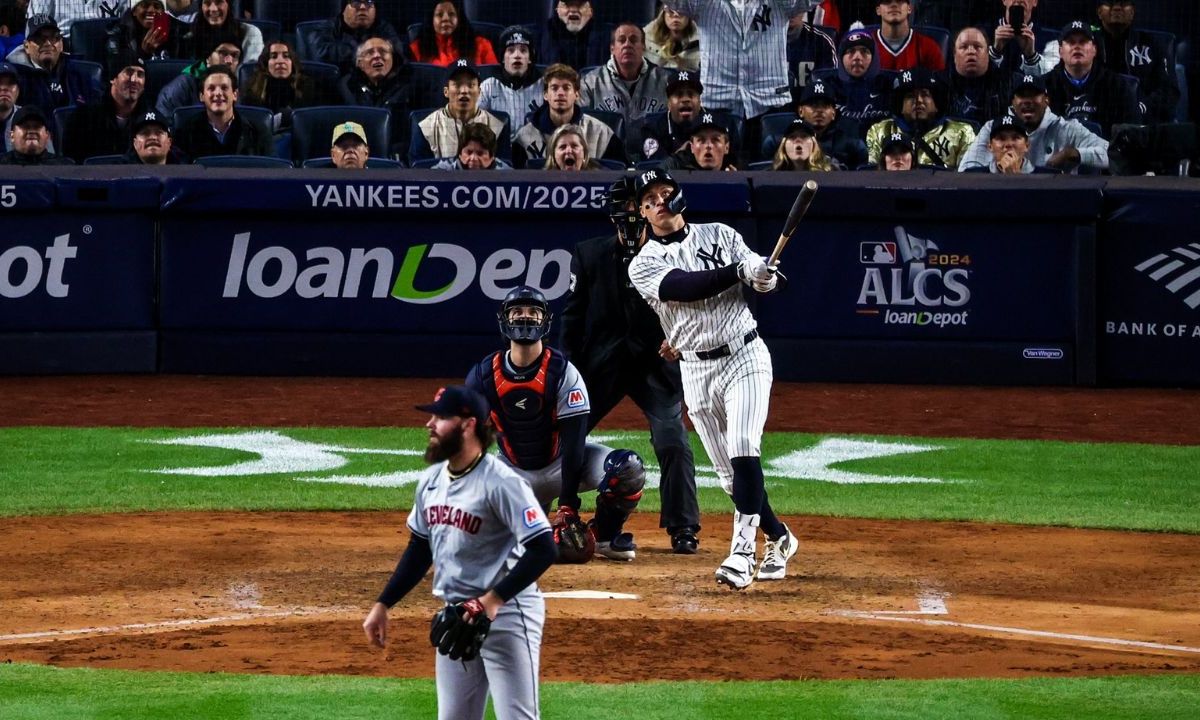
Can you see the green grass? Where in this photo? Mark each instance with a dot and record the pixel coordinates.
(29, 692)
(1125, 486)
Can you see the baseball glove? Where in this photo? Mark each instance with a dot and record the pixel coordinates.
(575, 539)
(458, 630)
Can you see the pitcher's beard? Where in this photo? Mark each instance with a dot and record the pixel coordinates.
(440, 449)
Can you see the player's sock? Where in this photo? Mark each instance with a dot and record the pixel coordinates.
(750, 494)
(770, 523)
(609, 521)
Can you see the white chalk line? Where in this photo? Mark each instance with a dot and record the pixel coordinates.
(1019, 631)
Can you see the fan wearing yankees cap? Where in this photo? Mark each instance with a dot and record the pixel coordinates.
(918, 99)
(152, 143)
(517, 88)
(1009, 144)
(29, 137)
(840, 138)
(664, 134)
(708, 148)
(1081, 88)
(897, 154)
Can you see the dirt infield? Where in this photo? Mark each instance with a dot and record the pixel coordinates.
(285, 592)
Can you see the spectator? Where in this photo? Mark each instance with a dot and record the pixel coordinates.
(561, 96)
(897, 154)
(349, 149)
(570, 37)
(1014, 49)
(104, 127)
(220, 129)
(10, 92)
(1124, 50)
(447, 35)
(672, 41)
(517, 89)
(279, 84)
(664, 135)
(66, 12)
(12, 27)
(978, 90)
(152, 142)
(476, 151)
(29, 138)
(49, 78)
(569, 150)
(808, 49)
(1009, 146)
(1055, 142)
(628, 84)
(441, 131)
(135, 33)
(708, 148)
(839, 139)
(801, 151)
(337, 39)
(863, 90)
(183, 90)
(1081, 89)
(216, 24)
(917, 101)
(899, 46)
(379, 80)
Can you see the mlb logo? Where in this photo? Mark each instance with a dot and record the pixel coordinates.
(575, 398)
(533, 516)
(877, 253)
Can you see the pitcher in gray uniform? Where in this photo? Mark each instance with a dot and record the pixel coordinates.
(692, 276)
(479, 525)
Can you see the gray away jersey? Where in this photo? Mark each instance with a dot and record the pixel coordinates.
(704, 324)
(476, 525)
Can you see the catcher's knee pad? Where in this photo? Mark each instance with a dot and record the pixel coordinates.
(624, 478)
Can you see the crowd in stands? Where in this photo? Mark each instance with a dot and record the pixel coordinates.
(575, 85)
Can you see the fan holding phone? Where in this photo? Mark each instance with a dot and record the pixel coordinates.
(146, 29)
(1014, 44)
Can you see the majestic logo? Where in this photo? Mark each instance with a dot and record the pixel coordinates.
(920, 277)
(1180, 277)
(1139, 55)
(762, 19)
(712, 259)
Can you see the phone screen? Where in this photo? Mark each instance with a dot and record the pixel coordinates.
(162, 23)
(1016, 16)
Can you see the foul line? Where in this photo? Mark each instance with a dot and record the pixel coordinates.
(164, 625)
(1021, 631)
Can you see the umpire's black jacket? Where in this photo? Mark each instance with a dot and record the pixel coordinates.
(608, 331)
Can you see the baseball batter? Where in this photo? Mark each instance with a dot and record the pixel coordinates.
(488, 540)
(539, 405)
(692, 277)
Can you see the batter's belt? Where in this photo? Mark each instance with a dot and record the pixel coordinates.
(721, 351)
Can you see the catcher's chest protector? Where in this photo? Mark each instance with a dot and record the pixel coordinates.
(525, 408)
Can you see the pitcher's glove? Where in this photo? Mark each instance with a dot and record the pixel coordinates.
(458, 630)
(576, 541)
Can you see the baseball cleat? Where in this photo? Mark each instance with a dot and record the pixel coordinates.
(737, 571)
(776, 554)
(622, 547)
(684, 542)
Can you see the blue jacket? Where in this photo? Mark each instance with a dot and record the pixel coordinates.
(71, 83)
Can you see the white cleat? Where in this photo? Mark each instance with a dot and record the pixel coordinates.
(776, 554)
(737, 571)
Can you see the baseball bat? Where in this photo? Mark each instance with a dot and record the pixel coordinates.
(803, 200)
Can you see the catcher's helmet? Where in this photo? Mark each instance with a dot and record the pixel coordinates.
(675, 203)
(524, 331)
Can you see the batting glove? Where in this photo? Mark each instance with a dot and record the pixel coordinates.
(766, 286)
(754, 267)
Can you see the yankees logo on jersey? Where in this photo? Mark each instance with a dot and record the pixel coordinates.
(1139, 55)
(712, 258)
(762, 19)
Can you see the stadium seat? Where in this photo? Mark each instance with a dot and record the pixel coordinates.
(161, 72)
(105, 160)
(614, 120)
(533, 162)
(774, 125)
(942, 37)
(503, 140)
(425, 164)
(530, 13)
(290, 12)
(649, 164)
(761, 165)
(312, 128)
(270, 29)
(372, 163)
(609, 164)
(242, 161)
(305, 32)
(639, 11)
(89, 39)
(427, 83)
(58, 127)
(94, 70)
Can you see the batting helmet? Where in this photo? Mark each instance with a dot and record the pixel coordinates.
(624, 478)
(524, 331)
(675, 203)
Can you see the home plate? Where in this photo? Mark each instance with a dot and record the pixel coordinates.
(590, 595)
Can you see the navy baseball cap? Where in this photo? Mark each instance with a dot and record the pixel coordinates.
(461, 67)
(684, 78)
(1025, 83)
(515, 35)
(799, 125)
(709, 121)
(897, 140)
(29, 112)
(10, 70)
(818, 91)
(1008, 122)
(1081, 27)
(457, 401)
(857, 38)
(150, 117)
(41, 22)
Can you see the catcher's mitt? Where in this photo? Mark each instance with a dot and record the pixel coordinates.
(458, 630)
(575, 539)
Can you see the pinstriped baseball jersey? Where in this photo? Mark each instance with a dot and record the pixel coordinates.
(475, 525)
(704, 324)
(743, 51)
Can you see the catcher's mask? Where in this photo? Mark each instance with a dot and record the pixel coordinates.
(675, 203)
(524, 330)
(622, 210)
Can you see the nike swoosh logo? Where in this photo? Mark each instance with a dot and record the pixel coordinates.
(1079, 97)
(874, 95)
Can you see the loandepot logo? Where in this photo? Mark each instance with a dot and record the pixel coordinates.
(337, 272)
(1179, 276)
(279, 454)
(903, 278)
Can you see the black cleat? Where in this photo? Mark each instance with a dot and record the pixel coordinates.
(684, 542)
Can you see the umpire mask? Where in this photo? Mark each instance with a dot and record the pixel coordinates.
(622, 210)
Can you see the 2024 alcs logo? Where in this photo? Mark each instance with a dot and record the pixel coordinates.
(905, 278)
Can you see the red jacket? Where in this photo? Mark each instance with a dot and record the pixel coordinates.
(919, 51)
(447, 53)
